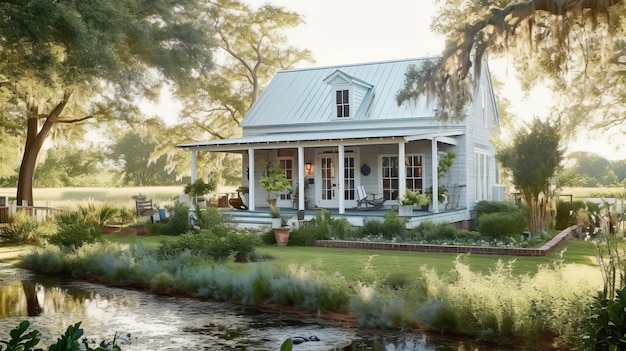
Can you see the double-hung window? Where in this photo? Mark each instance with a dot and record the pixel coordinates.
(390, 174)
(342, 101)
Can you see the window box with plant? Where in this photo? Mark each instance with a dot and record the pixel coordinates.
(274, 181)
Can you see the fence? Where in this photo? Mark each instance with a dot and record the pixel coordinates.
(39, 213)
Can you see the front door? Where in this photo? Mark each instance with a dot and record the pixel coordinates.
(285, 198)
(327, 179)
(327, 187)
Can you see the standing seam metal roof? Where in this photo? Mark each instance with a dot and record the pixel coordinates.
(300, 96)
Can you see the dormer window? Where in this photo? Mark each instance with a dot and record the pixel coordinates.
(342, 100)
(348, 96)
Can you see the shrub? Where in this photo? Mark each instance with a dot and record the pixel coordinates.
(210, 246)
(438, 232)
(321, 227)
(487, 207)
(218, 222)
(22, 229)
(392, 226)
(75, 230)
(178, 222)
(566, 213)
(502, 224)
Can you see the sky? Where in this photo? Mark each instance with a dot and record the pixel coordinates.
(355, 31)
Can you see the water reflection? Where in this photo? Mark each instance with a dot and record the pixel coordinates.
(170, 323)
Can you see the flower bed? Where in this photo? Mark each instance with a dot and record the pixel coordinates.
(541, 251)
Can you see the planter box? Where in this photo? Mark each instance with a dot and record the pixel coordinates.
(405, 210)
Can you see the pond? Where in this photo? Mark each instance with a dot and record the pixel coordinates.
(154, 322)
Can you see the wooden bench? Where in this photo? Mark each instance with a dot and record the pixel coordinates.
(144, 208)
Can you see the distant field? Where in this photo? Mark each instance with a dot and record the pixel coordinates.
(62, 197)
(584, 193)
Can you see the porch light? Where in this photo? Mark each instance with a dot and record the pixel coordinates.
(308, 169)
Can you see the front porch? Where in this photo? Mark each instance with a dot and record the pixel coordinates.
(260, 216)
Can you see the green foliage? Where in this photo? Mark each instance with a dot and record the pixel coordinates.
(287, 345)
(486, 207)
(606, 323)
(212, 218)
(274, 180)
(20, 340)
(211, 246)
(70, 166)
(414, 198)
(22, 229)
(393, 226)
(320, 227)
(132, 155)
(274, 211)
(502, 224)
(98, 60)
(566, 213)
(69, 341)
(199, 188)
(74, 230)
(533, 160)
(178, 222)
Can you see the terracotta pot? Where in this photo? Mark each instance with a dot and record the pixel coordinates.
(281, 235)
(272, 202)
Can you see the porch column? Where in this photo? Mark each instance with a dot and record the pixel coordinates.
(301, 194)
(193, 165)
(251, 181)
(401, 169)
(342, 181)
(434, 166)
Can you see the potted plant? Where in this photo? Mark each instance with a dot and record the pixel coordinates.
(279, 224)
(198, 189)
(410, 199)
(274, 181)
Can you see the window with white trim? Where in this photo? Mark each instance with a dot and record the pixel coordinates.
(342, 101)
(390, 173)
(482, 162)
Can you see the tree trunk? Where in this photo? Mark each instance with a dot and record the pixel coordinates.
(34, 141)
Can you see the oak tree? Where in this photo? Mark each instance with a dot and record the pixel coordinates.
(576, 46)
(250, 47)
(84, 63)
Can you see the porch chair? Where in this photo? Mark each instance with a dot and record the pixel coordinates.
(237, 202)
(144, 208)
(370, 204)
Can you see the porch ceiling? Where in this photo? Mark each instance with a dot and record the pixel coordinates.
(326, 138)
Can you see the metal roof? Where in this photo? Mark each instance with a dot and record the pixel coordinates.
(359, 137)
(301, 96)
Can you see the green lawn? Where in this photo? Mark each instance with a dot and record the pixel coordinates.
(370, 265)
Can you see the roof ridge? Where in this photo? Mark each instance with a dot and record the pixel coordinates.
(357, 64)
